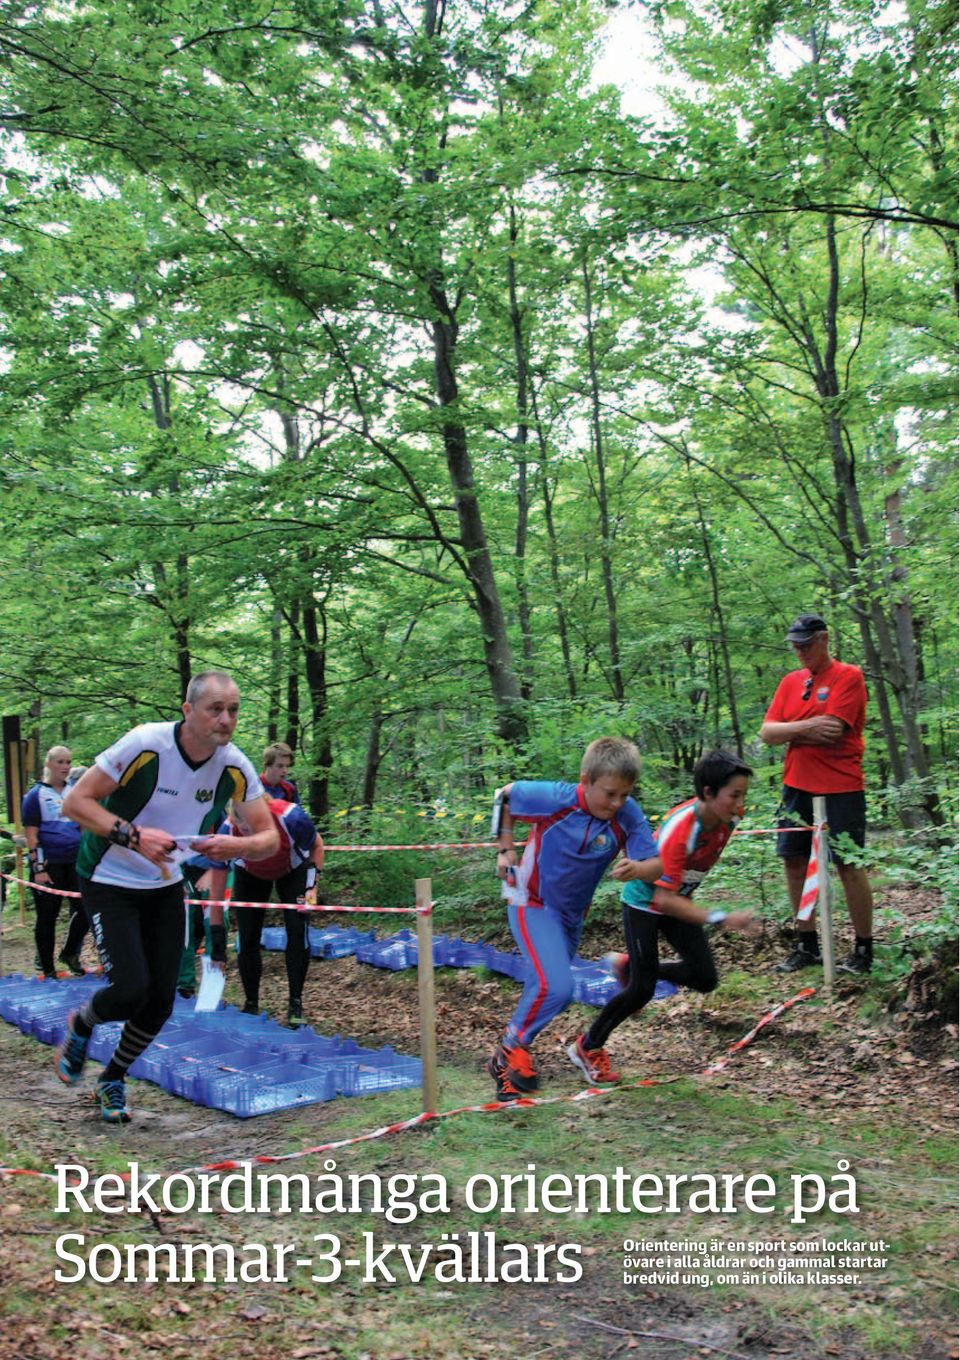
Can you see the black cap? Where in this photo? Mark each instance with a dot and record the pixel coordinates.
(804, 627)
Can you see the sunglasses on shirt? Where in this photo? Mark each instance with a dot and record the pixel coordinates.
(807, 689)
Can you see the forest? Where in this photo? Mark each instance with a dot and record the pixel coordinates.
(373, 352)
(472, 379)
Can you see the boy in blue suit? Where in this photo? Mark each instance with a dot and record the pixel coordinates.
(577, 831)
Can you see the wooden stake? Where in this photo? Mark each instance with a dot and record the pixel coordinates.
(18, 832)
(824, 911)
(428, 1024)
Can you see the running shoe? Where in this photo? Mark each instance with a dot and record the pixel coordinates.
(72, 961)
(800, 958)
(112, 1096)
(506, 1091)
(72, 1054)
(859, 960)
(594, 1063)
(295, 1015)
(516, 1065)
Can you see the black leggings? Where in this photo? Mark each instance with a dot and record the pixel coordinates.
(139, 935)
(290, 888)
(64, 877)
(695, 968)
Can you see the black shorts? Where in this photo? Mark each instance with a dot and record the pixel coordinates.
(846, 812)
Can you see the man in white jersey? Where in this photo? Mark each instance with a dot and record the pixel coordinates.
(150, 801)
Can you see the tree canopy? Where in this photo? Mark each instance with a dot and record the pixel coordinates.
(374, 352)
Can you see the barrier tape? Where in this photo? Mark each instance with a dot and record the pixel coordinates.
(803, 995)
(424, 910)
(492, 845)
(431, 1116)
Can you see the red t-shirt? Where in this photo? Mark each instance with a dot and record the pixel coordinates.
(840, 692)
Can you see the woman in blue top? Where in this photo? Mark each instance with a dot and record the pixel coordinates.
(52, 843)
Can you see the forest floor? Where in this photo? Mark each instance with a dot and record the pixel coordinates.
(850, 1078)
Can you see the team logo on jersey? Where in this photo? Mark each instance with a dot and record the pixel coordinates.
(204, 795)
(600, 842)
(822, 693)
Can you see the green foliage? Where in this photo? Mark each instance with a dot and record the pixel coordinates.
(375, 365)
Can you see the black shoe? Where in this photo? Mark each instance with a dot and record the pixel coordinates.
(800, 958)
(72, 961)
(859, 960)
(251, 1008)
(295, 1014)
(186, 992)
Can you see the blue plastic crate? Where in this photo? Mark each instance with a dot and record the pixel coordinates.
(593, 986)
(344, 943)
(273, 937)
(104, 1040)
(396, 952)
(49, 1024)
(243, 1064)
(383, 1070)
(321, 936)
(465, 954)
(270, 1088)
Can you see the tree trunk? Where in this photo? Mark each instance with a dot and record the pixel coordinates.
(858, 548)
(720, 621)
(606, 543)
(553, 553)
(175, 601)
(273, 695)
(315, 659)
(504, 685)
(511, 721)
(371, 767)
(520, 440)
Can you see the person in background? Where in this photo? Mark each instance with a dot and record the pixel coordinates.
(52, 844)
(292, 870)
(277, 762)
(205, 881)
(818, 712)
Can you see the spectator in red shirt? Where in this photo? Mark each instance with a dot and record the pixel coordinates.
(818, 712)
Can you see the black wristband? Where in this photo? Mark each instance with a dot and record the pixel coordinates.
(124, 834)
(218, 944)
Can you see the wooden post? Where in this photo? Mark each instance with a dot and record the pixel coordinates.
(428, 1026)
(824, 911)
(17, 792)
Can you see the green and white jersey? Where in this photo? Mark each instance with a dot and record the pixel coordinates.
(160, 786)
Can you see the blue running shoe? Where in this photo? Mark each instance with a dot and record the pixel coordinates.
(112, 1096)
(72, 1054)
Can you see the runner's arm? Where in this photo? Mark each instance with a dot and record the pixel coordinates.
(259, 840)
(83, 805)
